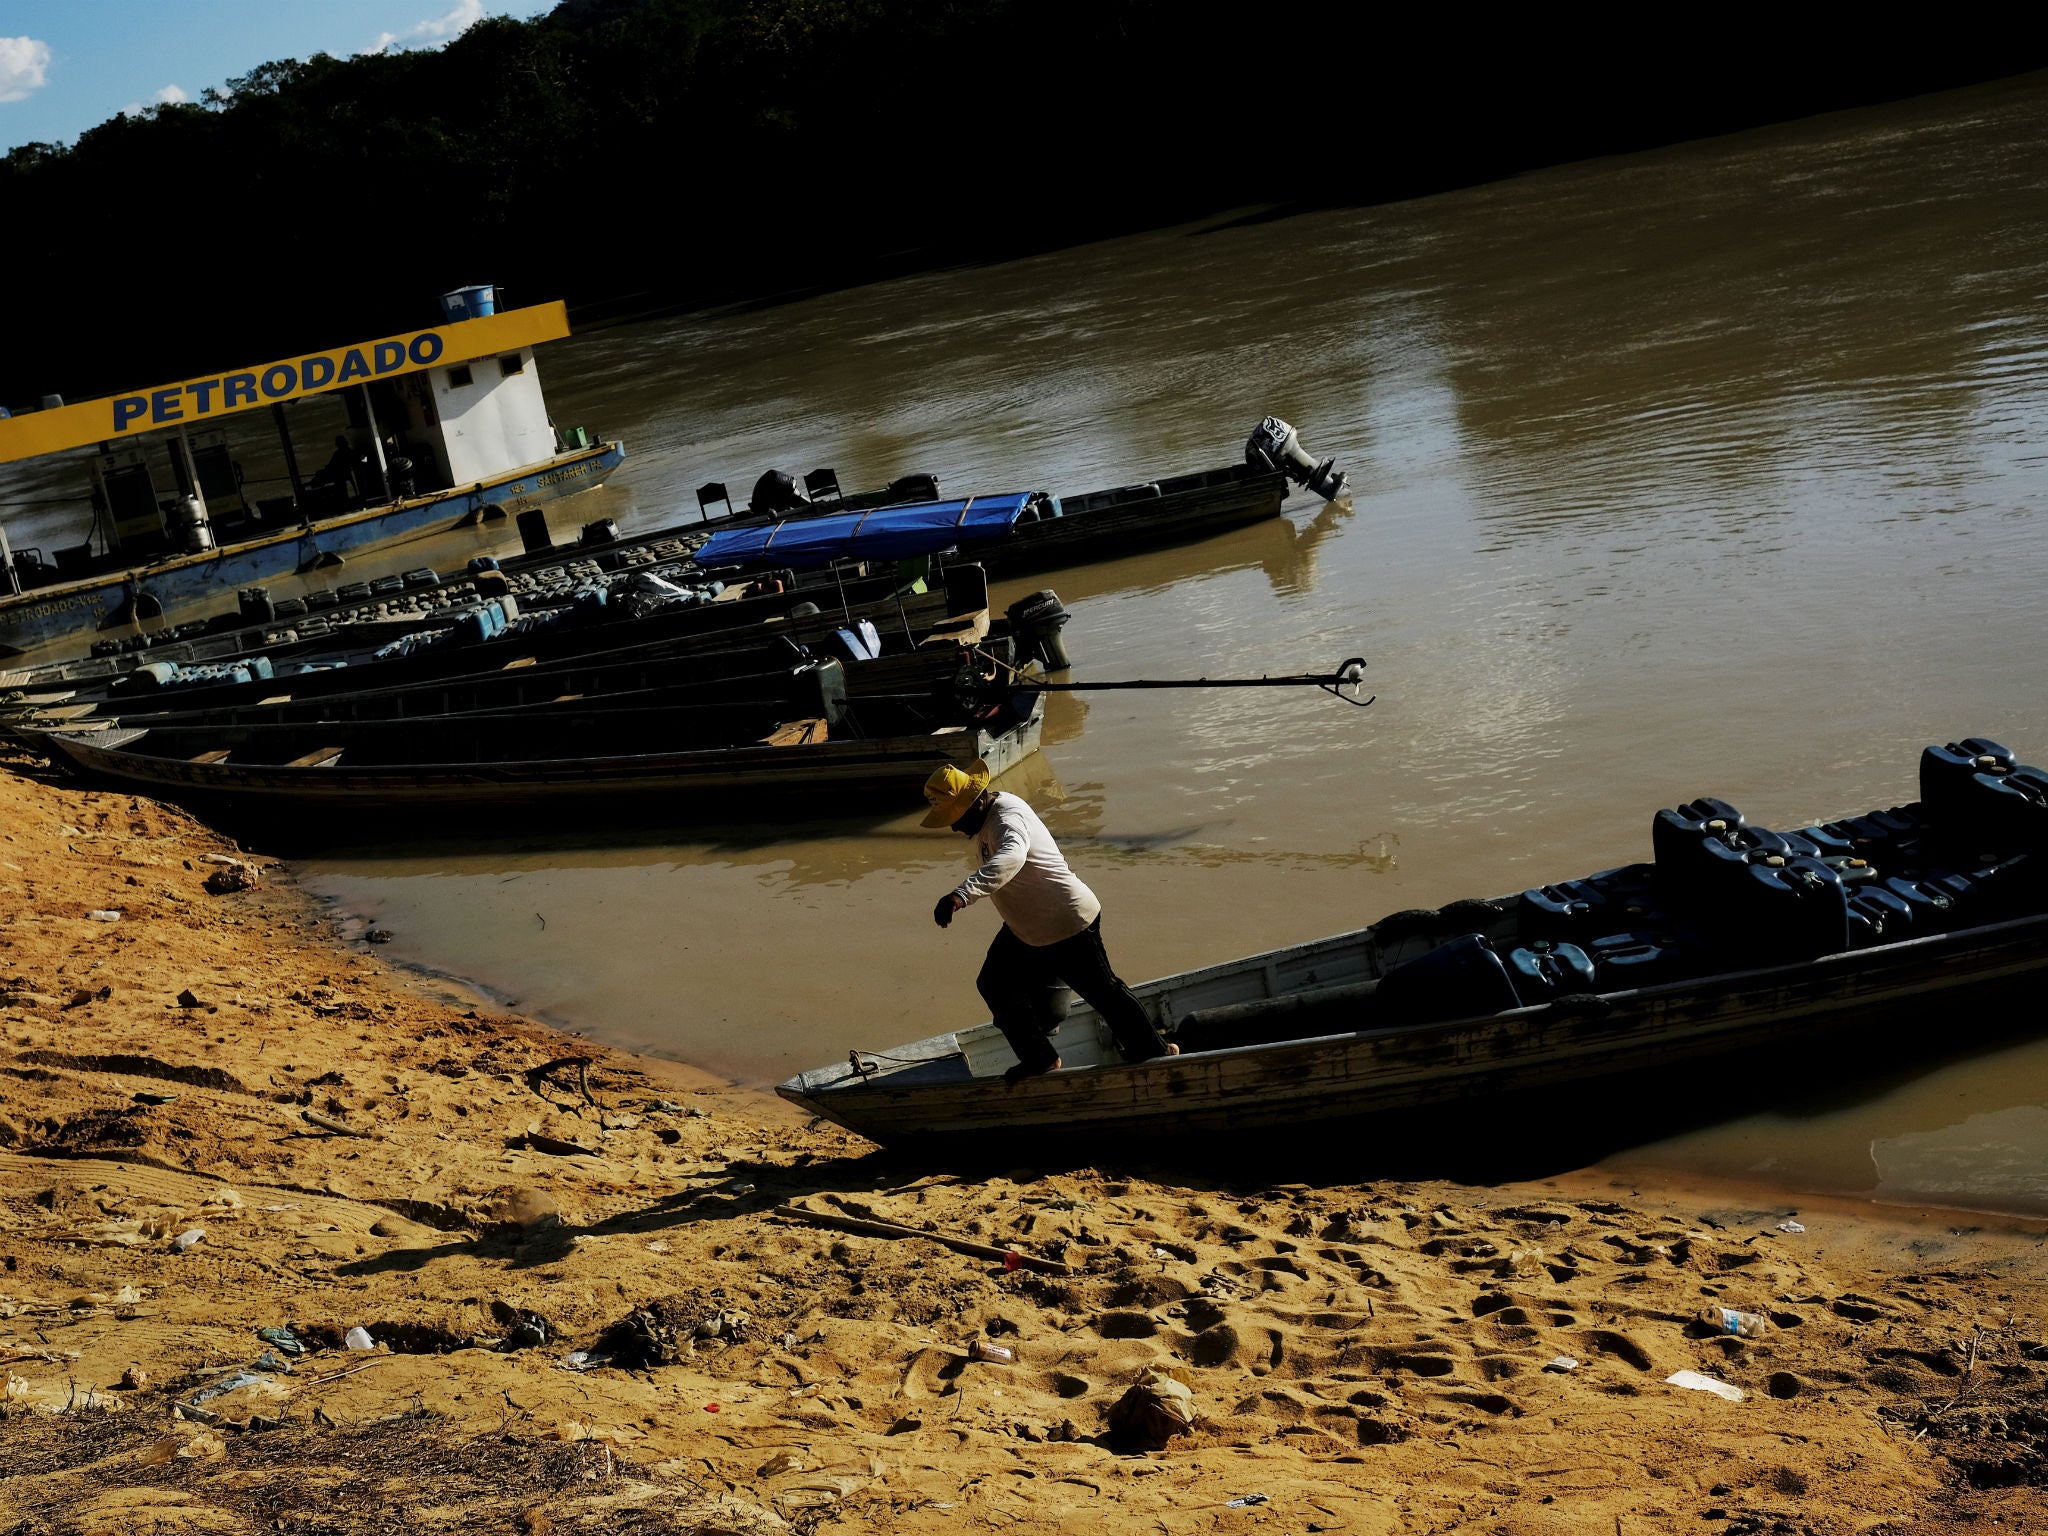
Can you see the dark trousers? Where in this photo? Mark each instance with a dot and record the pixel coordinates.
(1019, 982)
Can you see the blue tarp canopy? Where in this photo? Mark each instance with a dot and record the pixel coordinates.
(885, 533)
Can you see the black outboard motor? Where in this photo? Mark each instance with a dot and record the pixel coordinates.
(918, 487)
(777, 491)
(1275, 445)
(1037, 621)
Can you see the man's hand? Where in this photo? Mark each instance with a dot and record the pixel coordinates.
(942, 914)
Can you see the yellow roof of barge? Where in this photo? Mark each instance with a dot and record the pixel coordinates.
(195, 401)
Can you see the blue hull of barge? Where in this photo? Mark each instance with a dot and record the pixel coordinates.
(80, 610)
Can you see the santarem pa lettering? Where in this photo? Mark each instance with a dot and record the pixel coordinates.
(277, 381)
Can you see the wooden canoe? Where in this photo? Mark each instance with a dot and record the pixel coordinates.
(677, 669)
(577, 755)
(1101, 525)
(1310, 1046)
(1107, 525)
(758, 625)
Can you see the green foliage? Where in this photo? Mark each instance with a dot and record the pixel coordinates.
(640, 152)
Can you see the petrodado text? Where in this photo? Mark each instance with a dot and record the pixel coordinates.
(276, 382)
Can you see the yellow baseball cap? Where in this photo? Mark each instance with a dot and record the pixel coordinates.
(952, 789)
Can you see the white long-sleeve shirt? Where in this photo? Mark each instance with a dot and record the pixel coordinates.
(1025, 875)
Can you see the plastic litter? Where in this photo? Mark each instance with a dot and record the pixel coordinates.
(995, 1354)
(523, 1329)
(219, 1388)
(1698, 1383)
(189, 1239)
(269, 1361)
(1744, 1325)
(582, 1360)
(104, 915)
(1789, 1225)
(282, 1338)
(726, 1323)
(1561, 1364)
(358, 1338)
(1244, 1499)
(1159, 1405)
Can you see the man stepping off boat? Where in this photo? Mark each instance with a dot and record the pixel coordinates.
(1052, 925)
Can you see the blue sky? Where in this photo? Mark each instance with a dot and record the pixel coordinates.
(66, 65)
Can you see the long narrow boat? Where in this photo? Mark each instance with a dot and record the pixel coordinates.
(351, 662)
(643, 754)
(1037, 532)
(753, 671)
(761, 677)
(1126, 520)
(1735, 940)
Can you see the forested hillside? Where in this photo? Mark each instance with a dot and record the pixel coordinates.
(628, 153)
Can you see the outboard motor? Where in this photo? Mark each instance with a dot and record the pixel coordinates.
(1275, 445)
(777, 491)
(1037, 621)
(918, 487)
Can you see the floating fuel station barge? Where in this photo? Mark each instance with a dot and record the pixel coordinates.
(446, 427)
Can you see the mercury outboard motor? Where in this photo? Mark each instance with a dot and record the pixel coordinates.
(1275, 445)
(1037, 621)
(777, 491)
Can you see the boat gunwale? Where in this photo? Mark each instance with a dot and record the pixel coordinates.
(832, 764)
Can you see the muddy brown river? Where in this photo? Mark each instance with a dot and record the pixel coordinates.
(1717, 470)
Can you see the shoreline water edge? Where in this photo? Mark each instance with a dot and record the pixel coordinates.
(601, 1291)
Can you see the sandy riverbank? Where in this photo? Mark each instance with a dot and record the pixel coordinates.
(363, 1149)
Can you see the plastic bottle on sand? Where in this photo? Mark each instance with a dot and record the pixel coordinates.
(1745, 1325)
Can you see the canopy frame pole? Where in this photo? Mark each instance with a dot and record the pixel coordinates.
(192, 472)
(291, 463)
(7, 562)
(376, 442)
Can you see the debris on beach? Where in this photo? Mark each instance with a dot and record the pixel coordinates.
(1159, 1405)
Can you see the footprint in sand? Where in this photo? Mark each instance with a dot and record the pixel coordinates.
(1606, 1341)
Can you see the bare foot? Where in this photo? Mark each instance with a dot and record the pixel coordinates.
(1172, 1049)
